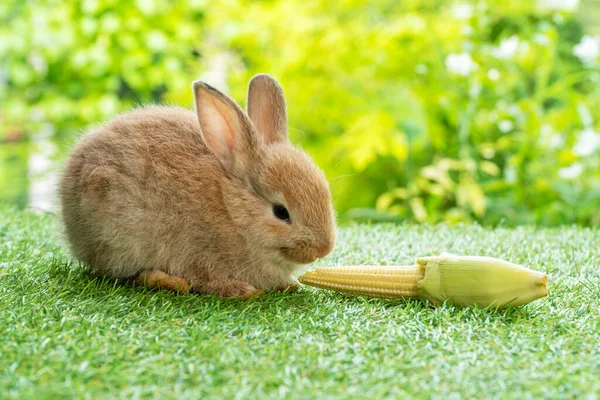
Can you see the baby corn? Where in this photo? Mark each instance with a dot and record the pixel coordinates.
(464, 280)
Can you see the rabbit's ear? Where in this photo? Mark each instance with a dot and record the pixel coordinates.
(266, 108)
(223, 124)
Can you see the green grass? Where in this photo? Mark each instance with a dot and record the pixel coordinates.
(66, 334)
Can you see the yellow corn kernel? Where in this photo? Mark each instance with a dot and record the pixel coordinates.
(376, 281)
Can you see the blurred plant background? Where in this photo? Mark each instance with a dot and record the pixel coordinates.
(419, 110)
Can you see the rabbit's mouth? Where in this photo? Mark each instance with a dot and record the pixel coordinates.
(292, 254)
(302, 254)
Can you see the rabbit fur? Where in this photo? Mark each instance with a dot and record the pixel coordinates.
(191, 195)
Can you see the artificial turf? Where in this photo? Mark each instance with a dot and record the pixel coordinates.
(64, 333)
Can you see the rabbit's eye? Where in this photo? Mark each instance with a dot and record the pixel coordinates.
(281, 212)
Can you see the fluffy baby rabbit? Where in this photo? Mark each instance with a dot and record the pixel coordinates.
(218, 198)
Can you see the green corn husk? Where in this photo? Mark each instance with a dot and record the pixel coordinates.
(486, 281)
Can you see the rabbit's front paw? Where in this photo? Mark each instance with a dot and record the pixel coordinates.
(228, 288)
(287, 287)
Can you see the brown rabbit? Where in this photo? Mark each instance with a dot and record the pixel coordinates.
(217, 198)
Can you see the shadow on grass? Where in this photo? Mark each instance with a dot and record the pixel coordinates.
(443, 313)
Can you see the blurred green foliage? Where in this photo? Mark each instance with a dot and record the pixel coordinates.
(424, 110)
